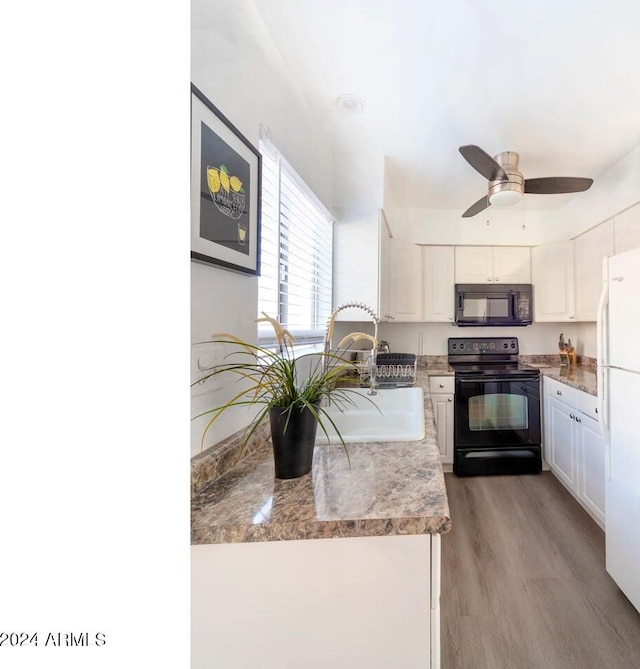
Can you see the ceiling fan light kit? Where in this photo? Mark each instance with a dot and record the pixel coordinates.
(505, 198)
(506, 185)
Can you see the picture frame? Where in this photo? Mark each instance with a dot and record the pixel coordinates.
(225, 191)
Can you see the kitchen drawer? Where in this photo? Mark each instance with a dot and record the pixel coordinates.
(588, 404)
(441, 384)
(562, 392)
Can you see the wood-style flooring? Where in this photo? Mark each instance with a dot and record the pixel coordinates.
(524, 582)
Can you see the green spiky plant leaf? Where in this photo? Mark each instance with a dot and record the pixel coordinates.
(270, 380)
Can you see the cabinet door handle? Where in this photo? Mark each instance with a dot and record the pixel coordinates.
(571, 318)
(571, 416)
(441, 385)
(489, 279)
(497, 278)
(578, 419)
(449, 399)
(559, 392)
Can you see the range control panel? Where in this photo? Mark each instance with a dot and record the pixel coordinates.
(482, 345)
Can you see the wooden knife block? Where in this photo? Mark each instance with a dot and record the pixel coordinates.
(568, 358)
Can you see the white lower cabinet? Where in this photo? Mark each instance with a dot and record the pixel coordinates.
(561, 442)
(441, 389)
(591, 447)
(343, 602)
(574, 445)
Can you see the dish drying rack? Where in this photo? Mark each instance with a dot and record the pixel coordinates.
(393, 370)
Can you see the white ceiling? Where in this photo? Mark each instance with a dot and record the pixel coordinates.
(557, 81)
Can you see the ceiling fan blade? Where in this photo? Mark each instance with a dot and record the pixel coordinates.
(554, 185)
(480, 160)
(477, 207)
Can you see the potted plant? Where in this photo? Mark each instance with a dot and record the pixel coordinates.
(273, 381)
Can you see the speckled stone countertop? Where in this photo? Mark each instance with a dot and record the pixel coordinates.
(576, 377)
(581, 376)
(440, 369)
(392, 488)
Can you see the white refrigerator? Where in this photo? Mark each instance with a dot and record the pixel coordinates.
(618, 340)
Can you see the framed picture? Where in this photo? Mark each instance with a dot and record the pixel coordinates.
(225, 191)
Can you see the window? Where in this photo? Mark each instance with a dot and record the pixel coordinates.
(295, 253)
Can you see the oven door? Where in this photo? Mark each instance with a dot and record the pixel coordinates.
(492, 412)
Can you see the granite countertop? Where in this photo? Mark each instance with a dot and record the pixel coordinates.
(440, 369)
(582, 377)
(576, 377)
(391, 488)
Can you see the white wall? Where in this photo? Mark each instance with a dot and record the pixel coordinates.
(446, 226)
(242, 89)
(225, 38)
(613, 191)
(587, 339)
(221, 302)
(539, 338)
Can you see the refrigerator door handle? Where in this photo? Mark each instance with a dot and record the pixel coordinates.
(601, 348)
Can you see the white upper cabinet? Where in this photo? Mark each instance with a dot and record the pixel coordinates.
(404, 281)
(474, 264)
(589, 250)
(512, 264)
(438, 283)
(493, 264)
(360, 259)
(627, 229)
(384, 260)
(552, 278)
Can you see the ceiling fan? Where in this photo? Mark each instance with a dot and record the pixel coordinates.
(506, 183)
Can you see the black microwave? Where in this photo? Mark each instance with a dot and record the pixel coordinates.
(479, 304)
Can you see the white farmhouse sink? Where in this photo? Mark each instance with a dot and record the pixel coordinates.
(397, 415)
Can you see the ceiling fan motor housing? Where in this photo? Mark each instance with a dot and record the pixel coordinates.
(508, 160)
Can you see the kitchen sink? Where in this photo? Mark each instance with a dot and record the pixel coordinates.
(392, 415)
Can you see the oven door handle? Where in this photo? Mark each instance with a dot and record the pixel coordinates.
(500, 379)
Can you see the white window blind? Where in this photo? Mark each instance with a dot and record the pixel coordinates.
(295, 254)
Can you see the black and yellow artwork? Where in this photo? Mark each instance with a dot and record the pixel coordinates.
(225, 180)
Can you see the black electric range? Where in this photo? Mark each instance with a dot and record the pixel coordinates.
(496, 408)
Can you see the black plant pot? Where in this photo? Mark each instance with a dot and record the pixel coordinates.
(293, 446)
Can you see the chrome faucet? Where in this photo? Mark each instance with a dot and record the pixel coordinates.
(329, 336)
